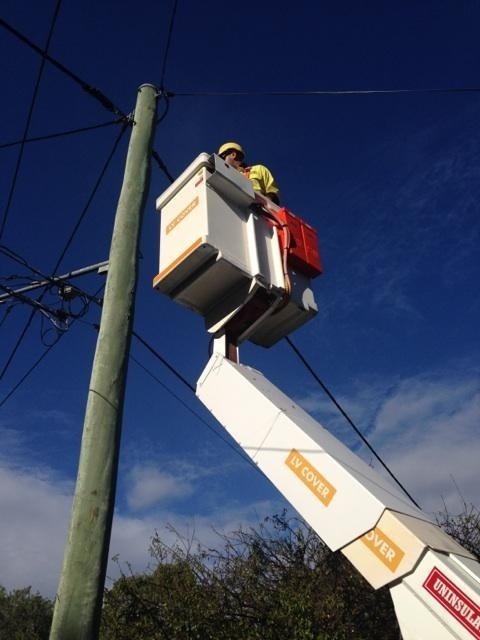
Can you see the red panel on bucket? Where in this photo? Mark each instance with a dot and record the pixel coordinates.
(303, 253)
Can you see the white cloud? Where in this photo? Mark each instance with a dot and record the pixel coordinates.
(428, 430)
(421, 403)
(35, 511)
(150, 486)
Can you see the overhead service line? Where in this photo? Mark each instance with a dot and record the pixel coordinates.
(38, 306)
(167, 46)
(27, 373)
(61, 280)
(27, 124)
(60, 134)
(47, 350)
(162, 165)
(65, 249)
(164, 362)
(197, 415)
(348, 419)
(92, 195)
(93, 91)
(322, 92)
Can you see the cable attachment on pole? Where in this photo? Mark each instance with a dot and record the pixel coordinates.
(128, 120)
(163, 94)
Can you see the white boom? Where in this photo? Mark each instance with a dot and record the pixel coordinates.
(433, 581)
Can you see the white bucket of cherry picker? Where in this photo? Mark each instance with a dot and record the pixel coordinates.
(221, 257)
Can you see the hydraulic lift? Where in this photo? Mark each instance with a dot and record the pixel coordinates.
(246, 265)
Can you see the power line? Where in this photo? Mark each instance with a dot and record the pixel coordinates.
(93, 91)
(18, 343)
(348, 419)
(323, 92)
(163, 167)
(65, 249)
(92, 195)
(61, 134)
(195, 413)
(167, 46)
(54, 280)
(164, 362)
(164, 95)
(58, 317)
(47, 350)
(178, 375)
(27, 124)
(37, 306)
(31, 370)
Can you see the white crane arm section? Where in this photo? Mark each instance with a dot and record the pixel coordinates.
(434, 581)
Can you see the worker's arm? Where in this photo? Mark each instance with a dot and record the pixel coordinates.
(263, 181)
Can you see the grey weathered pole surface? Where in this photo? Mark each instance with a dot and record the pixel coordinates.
(79, 599)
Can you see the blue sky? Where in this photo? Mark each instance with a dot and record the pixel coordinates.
(391, 182)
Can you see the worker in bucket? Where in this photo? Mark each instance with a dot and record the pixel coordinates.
(260, 177)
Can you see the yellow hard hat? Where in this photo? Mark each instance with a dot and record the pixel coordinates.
(231, 145)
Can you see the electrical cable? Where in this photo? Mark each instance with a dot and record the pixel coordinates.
(348, 419)
(66, 247)
(167, 46)
(17, 344)
(42, 356)
(92, 195)
(163, 361)
(178, 375)
(162, 165)
(16, 277)
(32, 368)
(93, 91)
(16, 257)
(195, 413)
(60, 281)
(324, 92)
(8, 310)
(29, 119)
(61, 134)
(164, 95)
(37, 306)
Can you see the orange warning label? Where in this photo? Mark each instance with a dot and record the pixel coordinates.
(384, 548)
(182, 215)
(310, 477)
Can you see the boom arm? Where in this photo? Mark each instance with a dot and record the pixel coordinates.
(433, 581)
(245, 265)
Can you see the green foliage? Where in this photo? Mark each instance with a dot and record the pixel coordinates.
(169, 603)
(24, 616)
(279, 581)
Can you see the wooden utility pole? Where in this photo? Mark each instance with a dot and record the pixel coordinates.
(79, 600)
